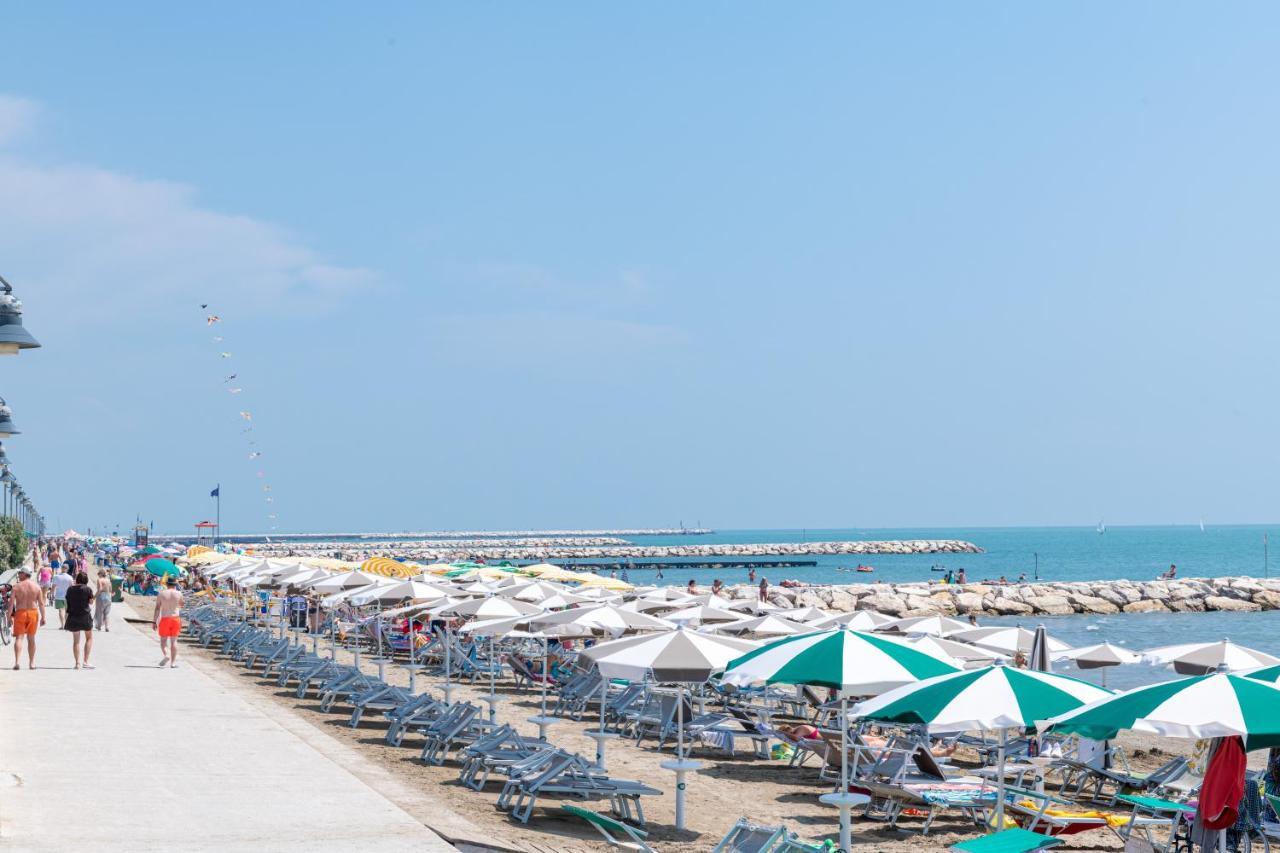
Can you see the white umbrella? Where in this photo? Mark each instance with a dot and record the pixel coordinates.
(491, 608)
(806, 614)
(1099, 657)
(1007, 640)
(396, 591)
(604, 617)
(680, 657)
(769, 625)
(1204, 658)
(348, 580)
(858, 620)
(936, 626)
(958, 654)
(702, 614)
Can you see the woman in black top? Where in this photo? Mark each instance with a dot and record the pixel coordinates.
(80, 617)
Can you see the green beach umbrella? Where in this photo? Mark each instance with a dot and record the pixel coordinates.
(1267, 673)
(163, 568)
(151, 549)
(997, 698)
(849, 661)
(1204, 706)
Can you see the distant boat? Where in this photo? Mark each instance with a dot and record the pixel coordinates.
(1202, 525)
(1102, 527)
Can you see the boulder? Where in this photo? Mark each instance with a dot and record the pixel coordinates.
(969, 602)
(1055, 605)
(1222, 602)
(1092, 604)
(944, 603)
(1268, 599)
(1107, 593)
(884, 603)
(1186, 605)
(1145, 607)
(1009, 607)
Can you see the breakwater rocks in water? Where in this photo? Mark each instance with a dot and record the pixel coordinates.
(1044, 598)
(536, 552)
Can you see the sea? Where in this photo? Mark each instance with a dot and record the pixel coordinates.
(1046, 554)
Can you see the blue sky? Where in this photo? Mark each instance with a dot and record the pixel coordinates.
(579, 265)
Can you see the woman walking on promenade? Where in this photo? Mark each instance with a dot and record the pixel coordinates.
(102, 602)
(80, 618)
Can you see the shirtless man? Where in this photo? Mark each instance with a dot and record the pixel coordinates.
(168, 622)
(26, 609)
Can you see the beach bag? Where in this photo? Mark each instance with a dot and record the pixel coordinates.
(781, 752)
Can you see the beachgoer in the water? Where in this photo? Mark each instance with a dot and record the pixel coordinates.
(751, 575)
(716, 586)
(692, 588)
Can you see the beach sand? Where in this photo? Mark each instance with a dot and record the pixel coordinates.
(724, 789)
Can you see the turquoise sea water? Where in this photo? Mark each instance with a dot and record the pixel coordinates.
(1065, 554)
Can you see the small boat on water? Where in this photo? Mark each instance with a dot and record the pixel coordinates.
(864, 569)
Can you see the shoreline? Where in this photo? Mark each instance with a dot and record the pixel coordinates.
(1044, 598)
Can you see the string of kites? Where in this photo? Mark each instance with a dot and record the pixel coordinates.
(232, 387)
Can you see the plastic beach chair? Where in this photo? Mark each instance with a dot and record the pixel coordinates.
(607, 826)
(1007, 841)
(747, 837)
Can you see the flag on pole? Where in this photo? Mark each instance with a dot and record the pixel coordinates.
(216, 490)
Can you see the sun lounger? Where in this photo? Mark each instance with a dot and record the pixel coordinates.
(419, 712)
(607, 827)
(747, 837)
(1151, 814)
(574, 777)
(1094, 782)
(1007, 841)
(380, 697)
(503, 750)
(1051, 815)
(344, 687)
(459, 726)
(971, 797)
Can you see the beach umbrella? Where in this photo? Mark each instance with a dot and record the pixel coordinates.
(806, 614)
(1099, 657)
(936, 626)
(769, 625)
(680, 657)
(493, 607)
(604, 617)
(612, 584)
(1204, 706)
(162, 568)
(347, 580)
(996, 698)
(1203, 658)
(151, 549)
(597, 594)
(849, 661)
(1007, 640)
(702, 614)
(858, 620)
(753, 605)
(1039, 657)
(959, 655)
(396, 592)
(1267, 673)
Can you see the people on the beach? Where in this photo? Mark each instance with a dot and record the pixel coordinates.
(751, 575)
(102, 602)
(1022, 578)
(764, 589)
(79, 618)
(961, 578)
(1171, 574)
(26, 613)
(167, 621)
(46, 582)
(692, 588)
(716, 586)
(61, 583)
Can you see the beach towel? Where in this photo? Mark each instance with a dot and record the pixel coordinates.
(1113, 820)
(1223, 785)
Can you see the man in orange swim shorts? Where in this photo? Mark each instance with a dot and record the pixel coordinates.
(167, 620)
(26, 609)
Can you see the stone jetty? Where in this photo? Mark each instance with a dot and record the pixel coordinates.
(446, 551)
(1049, 598)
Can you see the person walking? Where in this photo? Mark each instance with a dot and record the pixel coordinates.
(102, 602)
(80, 618)
(61, 583)
(167, 621)
(26, 613)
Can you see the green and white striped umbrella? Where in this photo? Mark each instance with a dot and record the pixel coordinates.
(1204, 706)
(851, 661)
(994, 697)
(1267, 673)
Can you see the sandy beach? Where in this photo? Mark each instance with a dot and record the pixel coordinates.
(723, 790)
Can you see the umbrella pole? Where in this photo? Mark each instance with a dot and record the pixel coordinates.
(680, 755)
(333, 635)
(493, 682)
(413, 665)
(846, 828)
(448, 661)
(999, 823)
(546, 652)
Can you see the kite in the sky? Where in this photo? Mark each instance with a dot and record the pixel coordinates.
(226, 355)
(235, 390)
(246, 416)
(213, 318)
(255, 454)
(204, 305)
(229, 378)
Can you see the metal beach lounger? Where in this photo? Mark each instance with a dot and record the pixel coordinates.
(607, 826)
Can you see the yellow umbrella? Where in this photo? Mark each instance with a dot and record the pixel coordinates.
(612, 584)
(328, 563)
(438, 568)
(196, 550)
(383, 566)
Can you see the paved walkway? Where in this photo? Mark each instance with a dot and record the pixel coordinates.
(131, 757)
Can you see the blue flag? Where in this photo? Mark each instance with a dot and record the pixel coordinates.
(215, 492)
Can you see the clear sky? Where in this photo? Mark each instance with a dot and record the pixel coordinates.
(512, 265)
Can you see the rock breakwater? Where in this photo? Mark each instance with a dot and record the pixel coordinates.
(1047, 598)
(447, 551)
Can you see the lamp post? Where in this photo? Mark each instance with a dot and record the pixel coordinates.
(6, 420)
(13, 337)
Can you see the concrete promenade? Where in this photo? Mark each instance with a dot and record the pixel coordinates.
(132, 757)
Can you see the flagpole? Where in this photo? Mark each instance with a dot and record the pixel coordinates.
(218, 492)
